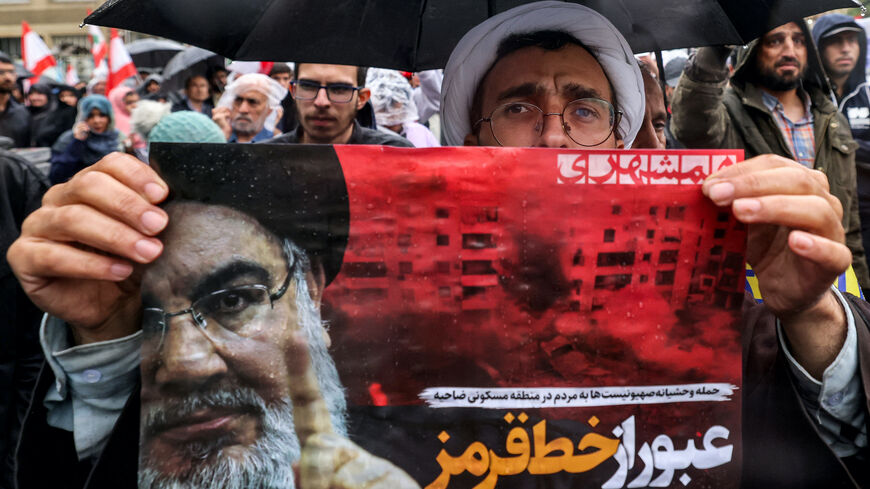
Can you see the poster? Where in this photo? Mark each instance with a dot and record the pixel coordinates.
(496, 317)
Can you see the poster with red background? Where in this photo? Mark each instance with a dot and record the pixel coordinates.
(541, 317)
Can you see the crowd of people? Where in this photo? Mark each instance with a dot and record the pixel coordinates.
(803, 192)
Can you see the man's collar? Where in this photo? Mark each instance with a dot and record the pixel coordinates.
(772, 103)
(355, 134)
(260, 136)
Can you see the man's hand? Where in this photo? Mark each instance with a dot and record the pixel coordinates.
(221, 117)
(329, 460)
(81, 130)
(75, 255)
(795, 246)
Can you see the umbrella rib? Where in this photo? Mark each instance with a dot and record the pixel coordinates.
(254, 26)
(423, 5)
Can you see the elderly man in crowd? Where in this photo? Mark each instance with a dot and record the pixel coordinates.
(249, 108)
(566, 69)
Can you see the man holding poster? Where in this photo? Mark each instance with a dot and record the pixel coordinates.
(778, 198)
(817, 326)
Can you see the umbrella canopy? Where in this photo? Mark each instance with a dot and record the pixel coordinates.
(191, 61)
(153, 53)
(420, 34)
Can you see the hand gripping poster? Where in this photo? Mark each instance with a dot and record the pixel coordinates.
(361, 316)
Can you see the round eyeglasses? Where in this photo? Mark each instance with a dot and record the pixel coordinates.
(228, 309)
(587, 121)
(340, 93)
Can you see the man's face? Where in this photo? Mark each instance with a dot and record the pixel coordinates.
(215, 398)
(249, 112)
(840, 53)
(152, 87)
(323, 120)
(37, 99)
(652, 132)
(548, 79)
(283, 78)
(197, 89)
(7, 77)
(781, 57)
(219, 78)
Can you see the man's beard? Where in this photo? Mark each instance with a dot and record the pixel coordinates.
(771, 80)
(267, 464)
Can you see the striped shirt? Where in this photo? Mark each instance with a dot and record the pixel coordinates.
(798, 135)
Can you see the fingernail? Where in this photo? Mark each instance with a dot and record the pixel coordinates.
(154, 222)
(147, 249)
(121, 270)
(155, 192)
(747, 206)
(721, 192)
(801, 241)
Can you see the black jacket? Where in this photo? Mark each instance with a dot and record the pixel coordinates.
(15, 123)
(21, 189)
(46, 456)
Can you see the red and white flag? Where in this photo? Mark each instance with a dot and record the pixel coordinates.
(72, 76)
(245, 67)
(99, 48)
(36, 55)
(121, 64)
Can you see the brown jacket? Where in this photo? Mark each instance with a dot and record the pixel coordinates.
(710, 113)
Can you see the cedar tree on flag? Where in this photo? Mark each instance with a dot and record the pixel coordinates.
(99, 50)
(120, 63)
(36, 55)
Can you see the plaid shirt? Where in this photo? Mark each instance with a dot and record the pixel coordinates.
(798, 135)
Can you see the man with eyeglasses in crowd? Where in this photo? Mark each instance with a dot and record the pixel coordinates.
(559, 75)
(327, 100)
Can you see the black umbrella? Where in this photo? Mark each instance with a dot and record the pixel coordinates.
(420, 34)
(152, 53)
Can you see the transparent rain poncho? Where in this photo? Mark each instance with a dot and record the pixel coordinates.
(391, 97)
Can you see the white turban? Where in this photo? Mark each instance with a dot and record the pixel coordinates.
(476, 54)
(259, 82)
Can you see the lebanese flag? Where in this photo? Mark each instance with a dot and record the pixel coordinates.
(72, 77)
(120, 63)
(36, 55)
(99, 48)
(246, 67)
